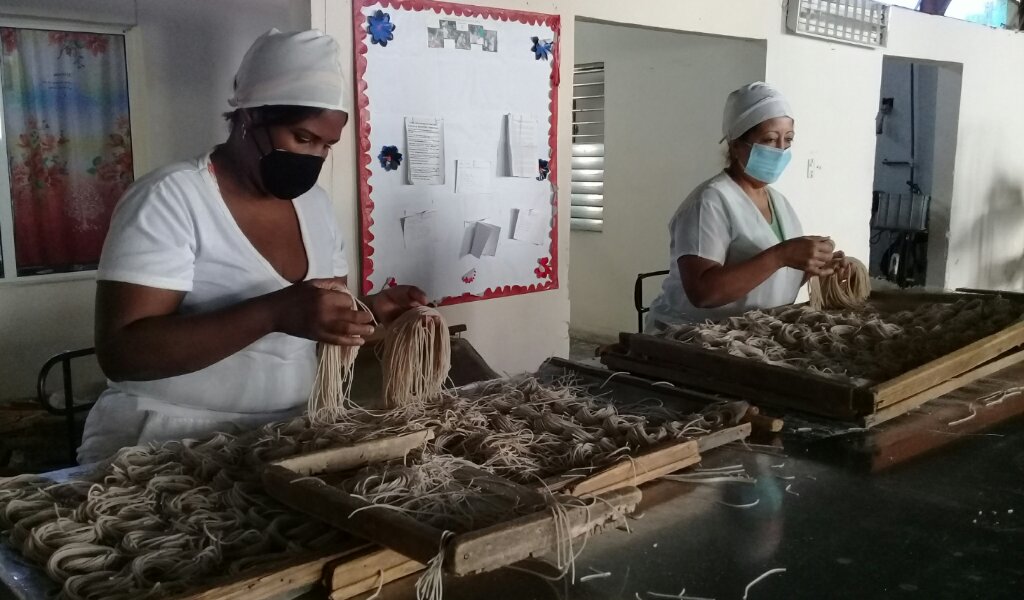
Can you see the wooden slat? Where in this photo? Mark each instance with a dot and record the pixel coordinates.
(719, 438)
(908, 404)
(734, 385)
(364, 575)
(837, 396)
(356, 455)
(1005, 293)
(932, 373)
(335, 507)
(897, 300)
(640, 469)
(533, 535)
(690, 399)
(921, 431)
(763, 422)
(647, 476)
(345, 579)
(300, 572)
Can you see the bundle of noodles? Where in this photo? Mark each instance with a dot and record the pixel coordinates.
(831, 292)
(332, 386)
(417, 357)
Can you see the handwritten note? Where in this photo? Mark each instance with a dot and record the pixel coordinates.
(522, 145)
(473, 177)
(531, 226)
(425, 143)
(421, 230)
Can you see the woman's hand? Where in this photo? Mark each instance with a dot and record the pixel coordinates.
(811, 254)
(390, 303)
(841, 265)
(319, 310)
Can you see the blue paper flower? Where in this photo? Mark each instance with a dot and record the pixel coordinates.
(380, 28)
(390, 158)
(544, 170)
(541, 48)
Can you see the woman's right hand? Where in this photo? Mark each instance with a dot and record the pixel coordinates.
(811, 254)
(318, 311)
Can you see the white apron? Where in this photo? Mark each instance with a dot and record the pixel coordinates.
(173, 231)
(717, 221)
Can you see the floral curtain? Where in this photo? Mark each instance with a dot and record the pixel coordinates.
(68, 141)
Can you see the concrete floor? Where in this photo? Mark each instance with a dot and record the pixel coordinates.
(581, 349)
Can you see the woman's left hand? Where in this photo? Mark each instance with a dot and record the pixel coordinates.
(840, 265)
(390, 303)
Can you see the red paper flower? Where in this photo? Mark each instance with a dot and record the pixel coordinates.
(546, 270)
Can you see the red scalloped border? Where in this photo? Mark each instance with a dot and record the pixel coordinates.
(365, 158)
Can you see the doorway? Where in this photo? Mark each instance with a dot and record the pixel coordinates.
(658, 120)
(915, 150)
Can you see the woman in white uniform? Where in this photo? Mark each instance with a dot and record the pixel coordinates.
(214, 281)
(736, 243)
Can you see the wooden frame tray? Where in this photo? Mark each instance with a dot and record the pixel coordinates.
(296, 482)
(358, 566)
(686, 364)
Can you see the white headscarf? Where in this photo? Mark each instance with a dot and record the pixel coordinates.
(293, 69)
(750, 106)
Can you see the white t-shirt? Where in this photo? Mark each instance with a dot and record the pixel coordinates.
(172, 230)
(717, 221)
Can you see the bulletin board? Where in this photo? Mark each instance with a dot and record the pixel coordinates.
(457, 120)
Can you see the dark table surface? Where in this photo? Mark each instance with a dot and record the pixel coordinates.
(949, 524)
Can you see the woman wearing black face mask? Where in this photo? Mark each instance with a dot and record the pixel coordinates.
(219, 275)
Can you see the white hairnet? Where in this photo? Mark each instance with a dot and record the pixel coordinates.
(294, 69)
(750, 106)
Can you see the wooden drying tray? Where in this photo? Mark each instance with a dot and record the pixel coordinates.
(299, 483)
(690, 365)
(361, 572)
(358, 566)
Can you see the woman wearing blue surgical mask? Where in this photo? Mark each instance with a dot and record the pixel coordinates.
(737, 244)
(220, 274)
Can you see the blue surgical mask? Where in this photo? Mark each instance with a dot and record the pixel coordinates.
(766, 163)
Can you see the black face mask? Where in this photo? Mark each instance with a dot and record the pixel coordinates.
(288, 175)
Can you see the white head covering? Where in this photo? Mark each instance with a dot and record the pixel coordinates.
(294, 69)
(750, 106)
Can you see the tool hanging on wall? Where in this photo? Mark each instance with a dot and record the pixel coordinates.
(884, 110)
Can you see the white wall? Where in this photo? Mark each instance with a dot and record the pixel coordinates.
(833, 89)
(663, 104)
(189, 51)
(949, 85)
(516, 333)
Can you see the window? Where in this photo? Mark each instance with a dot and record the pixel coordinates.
(994, 13)
(588, 148)
(66, 144)
(861, 22)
